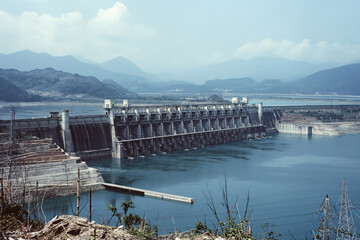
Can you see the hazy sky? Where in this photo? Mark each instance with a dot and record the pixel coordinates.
(165, 35)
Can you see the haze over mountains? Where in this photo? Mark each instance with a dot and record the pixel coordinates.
(123, 65)
(342, 80)
(259, 68)
(46, 75)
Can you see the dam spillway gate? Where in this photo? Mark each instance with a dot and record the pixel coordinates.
(146, 130)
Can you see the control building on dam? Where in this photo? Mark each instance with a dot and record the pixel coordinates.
(132, 131)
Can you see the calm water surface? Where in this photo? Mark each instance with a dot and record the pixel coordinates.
(287, 177)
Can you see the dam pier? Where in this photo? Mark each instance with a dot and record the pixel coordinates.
(130, 131)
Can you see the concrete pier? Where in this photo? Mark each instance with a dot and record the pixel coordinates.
(66, 132)
(148, 193)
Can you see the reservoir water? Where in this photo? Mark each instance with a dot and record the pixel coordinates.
(42, 109)
(287, 177)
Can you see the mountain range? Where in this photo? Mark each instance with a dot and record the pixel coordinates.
(130, 76)
(341, 80)
(114, 77)
(28, 60)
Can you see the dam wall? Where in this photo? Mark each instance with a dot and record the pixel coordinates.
(270, 118)
(84, 136)
(90, 135)
(294, 128)
(39, 127)
(132, 131)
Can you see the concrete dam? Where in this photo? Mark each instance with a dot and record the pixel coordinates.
(133, 131)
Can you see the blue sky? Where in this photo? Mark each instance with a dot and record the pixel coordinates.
(168, 35)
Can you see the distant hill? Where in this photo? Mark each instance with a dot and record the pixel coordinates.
(235, 85)
(115, 85)
(214, 86)
(340, 80)
(11, 93)
(52, 83)
(28, 60)
(257, 68)
(123, 65)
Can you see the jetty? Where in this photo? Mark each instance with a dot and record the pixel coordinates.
(148, 193)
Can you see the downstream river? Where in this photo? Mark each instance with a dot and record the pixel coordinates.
(287, 177)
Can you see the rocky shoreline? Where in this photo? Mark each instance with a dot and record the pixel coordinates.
(78, 228)
(41, 166)
(330, 121)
